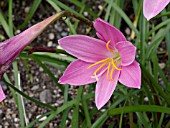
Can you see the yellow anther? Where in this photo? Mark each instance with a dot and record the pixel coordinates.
(114, 65)
(107, 46)
(108, 69)
(101, 66)
(98, 62)
(111, 74)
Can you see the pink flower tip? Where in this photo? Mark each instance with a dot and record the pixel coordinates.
(153, 7)
(60, 81)
(99, 106)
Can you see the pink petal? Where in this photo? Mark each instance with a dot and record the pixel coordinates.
(84, 48)
(105, 88)
(106, 32)
(130, 75)
(78, 74)
(2, 95)
(127, 52)
(152, 7)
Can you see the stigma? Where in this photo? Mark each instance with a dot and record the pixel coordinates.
(108, 65)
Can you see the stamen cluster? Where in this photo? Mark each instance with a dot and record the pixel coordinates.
(109, 64)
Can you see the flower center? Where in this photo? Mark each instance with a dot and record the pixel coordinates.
(109, 64)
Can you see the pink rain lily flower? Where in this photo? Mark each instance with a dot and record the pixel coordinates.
(105, 61)
(12, 47)
(152, 7)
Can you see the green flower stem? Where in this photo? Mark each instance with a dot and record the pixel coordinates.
(151, 100)
(67, 13)
(142, 43)
(149, 78)
(65, 112)
(31, 99)
(10, 18)
(157, 27)
(20, 103)
(75, 116)
(31, 50)
(139, 108)
(130, 116)
(168, 124)
(132, 36)
(161, 15)
(86, 113)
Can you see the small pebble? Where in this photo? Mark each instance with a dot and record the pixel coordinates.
(17, 125)
(27, 9)
(55, 91)
(35, 88)
(54, 45)
(103, 110)
(41, 69)
(50, 43)
(146, 99)
(37, 80)
(16, 119)
(58, 37)
(162, 83)
(85, 13)
(59, 28)
(58, 95)
(149, 43)
(51, 125)
(64, 34)
(161, 49)
(100, 7)
(46, 96)
(127, 31)
(0, 111)
(60, 101)
(17, 31)
(56, 104)
(3, 85)
(59, 47)
(51, 36)
(162, 65)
